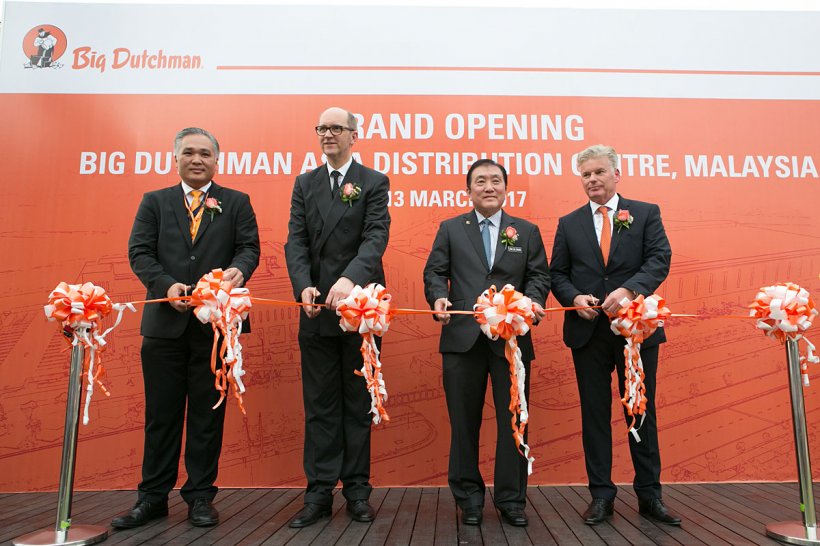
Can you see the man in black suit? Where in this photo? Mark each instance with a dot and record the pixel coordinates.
(469, 255)
(337, 234)
(598, 257)
(181, 233)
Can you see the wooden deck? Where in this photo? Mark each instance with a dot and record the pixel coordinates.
(713, 514)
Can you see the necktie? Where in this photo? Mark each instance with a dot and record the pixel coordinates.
(606, 232)
(335, 176)
(485, 236)
(193, 214)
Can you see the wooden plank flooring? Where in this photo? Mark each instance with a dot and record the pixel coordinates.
(713, 514)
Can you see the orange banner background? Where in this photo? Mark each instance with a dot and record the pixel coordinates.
(723, 400)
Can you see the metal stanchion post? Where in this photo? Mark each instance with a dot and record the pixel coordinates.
(796, 532)
(64, 533)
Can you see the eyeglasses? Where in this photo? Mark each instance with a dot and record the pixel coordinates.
(322, 130)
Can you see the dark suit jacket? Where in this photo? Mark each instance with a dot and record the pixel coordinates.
(161, 252)
(328, 238)
(638, 260)
(457, 270)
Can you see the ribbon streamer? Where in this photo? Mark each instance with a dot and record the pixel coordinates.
(367, 311)
(784, 311)
(80, 310)
(508, 314)
(636, 321)
(224, 307)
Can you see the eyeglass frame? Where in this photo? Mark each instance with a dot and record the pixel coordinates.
(331, 128)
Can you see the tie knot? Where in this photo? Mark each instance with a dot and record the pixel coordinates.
(486, 222)
(603, 209)
(335, 175)
(196, 196)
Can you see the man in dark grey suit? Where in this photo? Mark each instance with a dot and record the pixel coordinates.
(337, 234)
(469, 255)
(610, 250)
(181, 233)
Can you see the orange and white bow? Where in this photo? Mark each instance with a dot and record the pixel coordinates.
(80, 310)
(367, 311)
(508, 314)
(636, 321)
(785, 311)
(224, 307)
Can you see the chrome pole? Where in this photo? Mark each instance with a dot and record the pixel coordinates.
(64, 533)
(796, 532)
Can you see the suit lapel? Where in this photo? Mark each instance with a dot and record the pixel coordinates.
(215, 192)
(335, 207)
(473, 231)
(501, 248)
(588, 227)
(320, 192)
(616, 234)
(181, 212)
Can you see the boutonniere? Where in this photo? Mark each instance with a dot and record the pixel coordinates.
(350, 192)
(622, 219)
(509, 237)
(212, 206)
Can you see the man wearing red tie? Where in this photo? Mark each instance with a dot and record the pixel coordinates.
(181, 233)
(607, 252)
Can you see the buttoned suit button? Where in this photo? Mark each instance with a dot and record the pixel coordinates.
(193, 258)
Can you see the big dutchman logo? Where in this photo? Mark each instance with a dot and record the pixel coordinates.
(43, 45)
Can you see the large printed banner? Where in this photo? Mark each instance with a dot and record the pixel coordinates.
(716, 125)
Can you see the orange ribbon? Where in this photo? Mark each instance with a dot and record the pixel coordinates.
(783, 311)
(636, 321)
(508, 314)
(224, 307)
(367, 311)
(80, 310)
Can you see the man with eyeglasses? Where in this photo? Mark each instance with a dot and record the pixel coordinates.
(337, 233)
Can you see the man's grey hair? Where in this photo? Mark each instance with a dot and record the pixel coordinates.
(351, 121)
(195, 131)
(598, 150)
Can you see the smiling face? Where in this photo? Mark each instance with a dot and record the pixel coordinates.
(487, 189)
(599, 179)
(196, 160)
(337, 148)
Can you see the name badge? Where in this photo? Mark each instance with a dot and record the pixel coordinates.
(514, 249)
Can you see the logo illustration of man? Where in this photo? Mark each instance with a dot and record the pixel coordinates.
(44, 42)
(43, 45)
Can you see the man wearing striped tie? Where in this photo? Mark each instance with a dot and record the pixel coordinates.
(179, 234)
(606, 252)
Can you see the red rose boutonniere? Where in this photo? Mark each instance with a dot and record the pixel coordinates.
(622, 219)
(212, 206)
(350, 192)
(509, 237)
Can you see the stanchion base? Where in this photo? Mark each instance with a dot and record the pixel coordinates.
(792, 532)
(77, 535)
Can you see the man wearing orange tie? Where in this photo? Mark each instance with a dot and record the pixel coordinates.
(609, 251)
(181, 233)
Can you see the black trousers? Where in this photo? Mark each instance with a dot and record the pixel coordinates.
(337, 418)
(177, 375)
(465, 385)
(594, 363)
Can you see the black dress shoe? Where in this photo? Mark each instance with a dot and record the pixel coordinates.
(472, 515)
(360, 510)
(655, 509)
(513, 515)
(598, 511)
(309, 514)
(140, 514)
(202, 513)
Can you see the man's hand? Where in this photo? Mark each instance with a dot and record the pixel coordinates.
(339, 291)
(175, 291)
(440, 305)
(539, 313)
(309, 295)
(612, 303)
(234, 276)
(586, 300)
